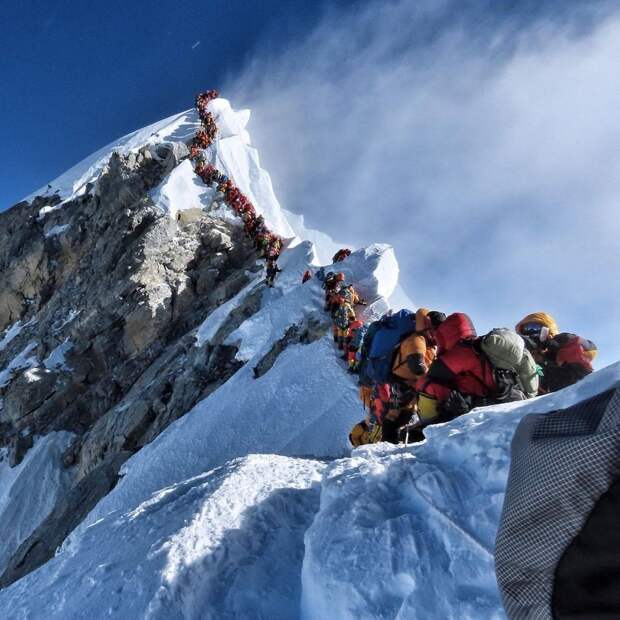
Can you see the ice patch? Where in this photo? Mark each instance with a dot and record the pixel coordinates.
(56, 360)
(12, 332)
(182, 190)
(43, 211)
(33, 374)
(58, 327)
(22, 361)
(56, 230)
(217, 318)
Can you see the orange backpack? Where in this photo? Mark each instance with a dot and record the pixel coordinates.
(415, 344)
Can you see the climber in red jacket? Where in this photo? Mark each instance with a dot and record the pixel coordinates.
(568, 359)
(341, 254)
(460, 378)
(565, 358)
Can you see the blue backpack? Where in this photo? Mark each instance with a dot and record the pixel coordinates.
(362, 354)
(358, 337)
(391, 329)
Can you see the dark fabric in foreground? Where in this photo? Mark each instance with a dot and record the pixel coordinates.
(556, 513)
(587, 579)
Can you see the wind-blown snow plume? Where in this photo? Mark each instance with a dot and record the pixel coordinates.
(479, 146)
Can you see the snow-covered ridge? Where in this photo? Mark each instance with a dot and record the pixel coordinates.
(303, 405)
(232, 153)
(74, 182)
(182, 191)
(166, 498)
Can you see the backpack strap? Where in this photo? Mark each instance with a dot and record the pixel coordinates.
(398, 359)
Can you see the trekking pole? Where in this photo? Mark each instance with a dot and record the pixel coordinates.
(403, 429)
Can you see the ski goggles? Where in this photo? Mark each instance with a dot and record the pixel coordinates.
(534, 330)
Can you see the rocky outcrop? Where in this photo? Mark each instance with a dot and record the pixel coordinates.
(314, 329)
(100, 298)
(178, 379)
(114, 283)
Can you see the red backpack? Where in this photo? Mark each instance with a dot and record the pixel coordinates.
(456, 327)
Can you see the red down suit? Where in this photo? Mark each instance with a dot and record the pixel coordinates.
(459, 366)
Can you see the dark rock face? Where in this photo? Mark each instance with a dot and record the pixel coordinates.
(108, 291)
(116, 290)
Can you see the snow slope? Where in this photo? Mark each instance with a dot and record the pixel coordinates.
(28, 492)
(74, 181)
(182, 191)
(409, 532)
(173, 541)
(224, 544)
(304, 405)
(391, 532)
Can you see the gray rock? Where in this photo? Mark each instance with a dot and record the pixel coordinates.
(315, 328)
(26, 394)
(19, 445)
(127, 287)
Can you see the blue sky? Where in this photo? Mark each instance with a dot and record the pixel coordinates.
(75, 75)
(479, 137)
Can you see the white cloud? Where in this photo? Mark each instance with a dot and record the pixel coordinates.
(490, 163)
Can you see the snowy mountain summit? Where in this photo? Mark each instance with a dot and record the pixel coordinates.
(175, 435)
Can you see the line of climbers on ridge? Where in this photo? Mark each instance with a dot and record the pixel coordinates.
(420, 368)
(423, 368)
(266, 242)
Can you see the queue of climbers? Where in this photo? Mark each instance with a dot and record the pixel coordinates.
(416, 369)
(420, 368)
(265, 241)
